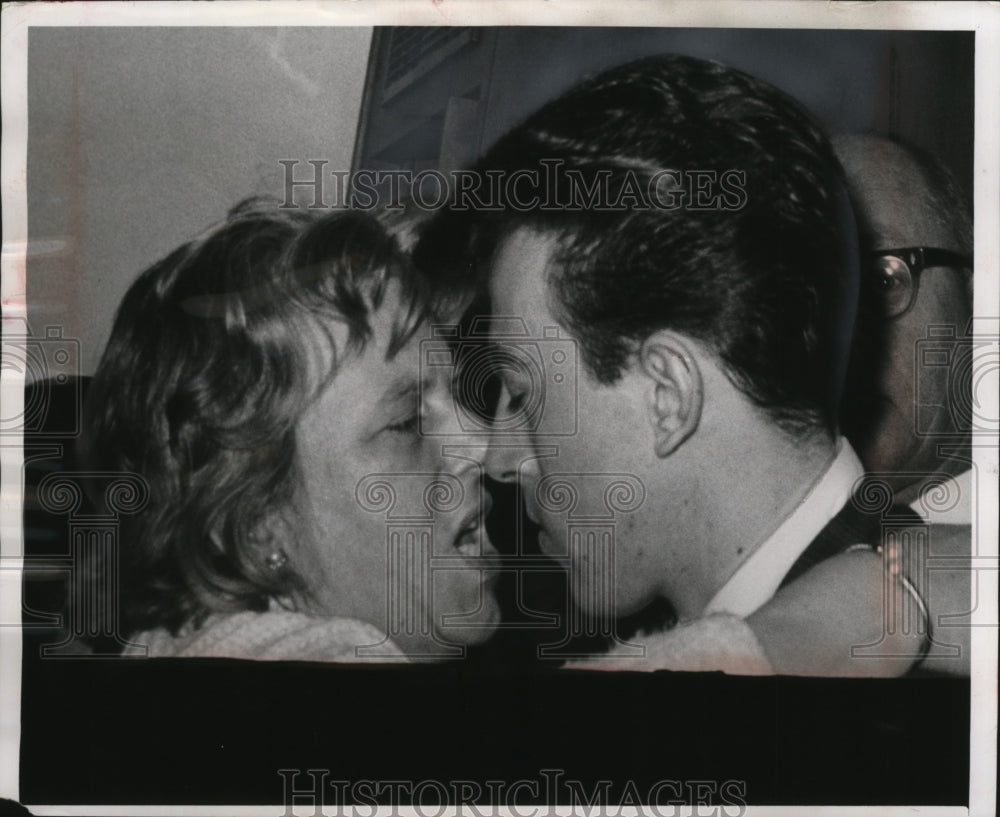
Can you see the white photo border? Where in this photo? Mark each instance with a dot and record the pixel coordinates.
(983, 19)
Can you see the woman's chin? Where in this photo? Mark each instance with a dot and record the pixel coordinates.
(473, 628)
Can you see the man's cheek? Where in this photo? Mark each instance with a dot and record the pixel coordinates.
(891, 440)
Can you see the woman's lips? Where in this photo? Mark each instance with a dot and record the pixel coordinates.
(472, 544)
(476, 547)
(471, 538)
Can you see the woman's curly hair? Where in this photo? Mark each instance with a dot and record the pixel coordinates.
(215, 353)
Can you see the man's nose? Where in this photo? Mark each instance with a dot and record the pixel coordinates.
(505, 455)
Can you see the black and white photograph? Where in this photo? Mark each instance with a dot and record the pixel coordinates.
(500, 408)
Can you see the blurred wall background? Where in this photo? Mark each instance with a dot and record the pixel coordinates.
(139, 138)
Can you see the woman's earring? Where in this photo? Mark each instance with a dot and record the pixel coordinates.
(261, 539)
(276, 560)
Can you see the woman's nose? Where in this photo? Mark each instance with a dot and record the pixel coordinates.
(463, 448)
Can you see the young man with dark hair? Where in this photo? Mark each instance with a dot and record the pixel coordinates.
(687, 226)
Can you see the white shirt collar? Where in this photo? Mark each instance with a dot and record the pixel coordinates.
(760, 576)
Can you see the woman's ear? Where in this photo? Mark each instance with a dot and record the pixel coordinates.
(676, 393)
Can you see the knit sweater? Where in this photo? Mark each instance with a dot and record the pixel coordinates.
(275, 635)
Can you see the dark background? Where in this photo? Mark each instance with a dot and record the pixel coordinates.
(437, 98)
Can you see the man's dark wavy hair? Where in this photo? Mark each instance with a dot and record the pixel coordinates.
(215, 353)
(770, 288)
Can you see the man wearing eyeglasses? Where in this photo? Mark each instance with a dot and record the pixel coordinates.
(905, 411)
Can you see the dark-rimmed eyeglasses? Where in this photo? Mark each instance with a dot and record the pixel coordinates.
(894, 275)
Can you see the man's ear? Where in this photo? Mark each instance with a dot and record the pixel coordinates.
(676, 396)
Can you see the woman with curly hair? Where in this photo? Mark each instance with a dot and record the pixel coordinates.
(265, 381)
